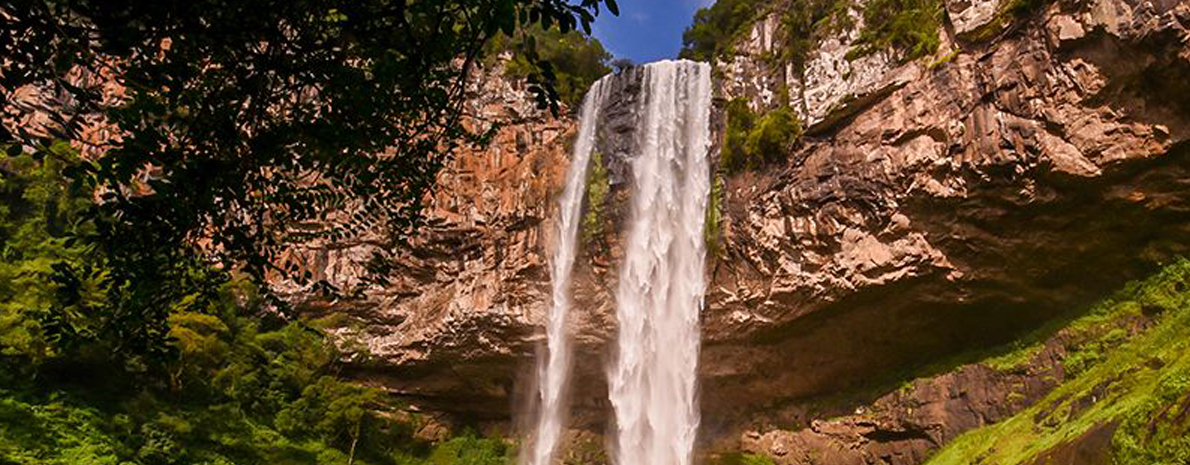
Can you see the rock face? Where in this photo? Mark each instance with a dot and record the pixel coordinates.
(462, 313)
(937, 205)
(829, 85)
(906, 425)
(967, 16)
(987, 193)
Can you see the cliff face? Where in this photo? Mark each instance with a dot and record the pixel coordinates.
(953, 204)
(463, 308)
(935, 206)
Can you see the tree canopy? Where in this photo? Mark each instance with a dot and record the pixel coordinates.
(240, 127)
(578, 59)
(715, 28)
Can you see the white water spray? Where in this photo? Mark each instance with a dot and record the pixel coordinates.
(554, 368)
(652, 382)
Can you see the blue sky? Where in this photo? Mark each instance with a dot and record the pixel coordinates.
(646, 30)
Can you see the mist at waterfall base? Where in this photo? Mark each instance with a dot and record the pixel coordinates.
(652, 379)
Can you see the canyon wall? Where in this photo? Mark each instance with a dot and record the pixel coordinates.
(935, 206)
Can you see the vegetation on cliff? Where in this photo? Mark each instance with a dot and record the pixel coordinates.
(751, 141)
(594, 224)
(1126, 399)
(910, 26)
(713, 222)
(576, 60)
(803, 25)
(716, 27)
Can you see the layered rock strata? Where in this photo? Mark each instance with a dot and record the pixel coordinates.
(936, 205)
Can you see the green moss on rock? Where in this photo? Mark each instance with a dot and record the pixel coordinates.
(1137, 385)
(712, 227)
(594, 218)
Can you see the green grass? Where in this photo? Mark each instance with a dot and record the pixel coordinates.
(1142, 384)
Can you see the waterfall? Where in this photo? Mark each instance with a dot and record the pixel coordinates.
(554, 368)
(652, 381)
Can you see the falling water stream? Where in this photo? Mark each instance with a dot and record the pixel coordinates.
(554, 368)
(652, 379)
(652, 382)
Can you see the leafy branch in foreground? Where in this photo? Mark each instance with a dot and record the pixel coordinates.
(242, 127)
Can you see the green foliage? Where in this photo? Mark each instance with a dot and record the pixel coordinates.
(577, 60)
(1140, 382)
(594, 219)
(38, 214)
(715, 28)
(714, 217)
(471, 450)
(750, 142)
(235, 387)
(60, 292)
(908, 25)
(744, 459)
(240, 394)
(247, 126)
(740, 120)
(54, 432)
(769, 140)
(803, 21)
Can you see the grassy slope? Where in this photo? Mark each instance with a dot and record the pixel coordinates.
(1141, 384)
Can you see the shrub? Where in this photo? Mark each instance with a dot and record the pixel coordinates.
(715, 27)
(577, 60)
(770, 139)
(740, 120)
(908, 25)
(39, 212)
(471, 450)
(711, 226)
(803, 21)
(750, 143)
(596, 199)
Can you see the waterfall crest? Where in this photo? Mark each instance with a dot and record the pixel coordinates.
(554, 368)
(652, 381)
